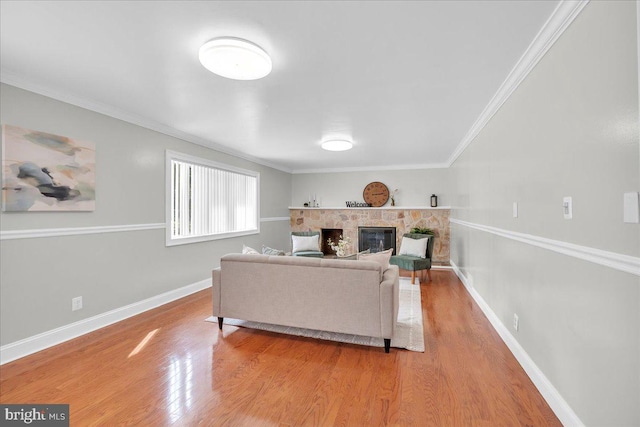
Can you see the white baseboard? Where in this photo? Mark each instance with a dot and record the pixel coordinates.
(27, 346)
(558, 405)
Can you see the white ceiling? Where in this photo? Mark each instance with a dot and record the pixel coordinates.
(406, 80)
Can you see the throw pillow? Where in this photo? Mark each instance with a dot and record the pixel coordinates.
(414, 247)
(266, 250)
(306, 243)
(368, 251)
(381, 258)
(247, 250)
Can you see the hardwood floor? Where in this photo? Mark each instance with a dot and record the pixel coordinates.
(170, 367)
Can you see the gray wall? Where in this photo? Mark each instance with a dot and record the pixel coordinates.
(570, 129)
(334, 188)
(39, 276)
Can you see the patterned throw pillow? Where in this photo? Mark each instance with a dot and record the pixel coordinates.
(266, 250)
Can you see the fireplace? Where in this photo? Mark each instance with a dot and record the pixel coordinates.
(377, 239)
(329, 233)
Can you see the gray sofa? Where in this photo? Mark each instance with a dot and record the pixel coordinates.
(352, 297)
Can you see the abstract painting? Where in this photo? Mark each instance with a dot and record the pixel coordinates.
(45, 172)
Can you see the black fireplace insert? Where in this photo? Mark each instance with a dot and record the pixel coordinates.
(377, 239)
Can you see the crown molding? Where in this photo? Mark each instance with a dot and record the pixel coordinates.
(372, 168)
(558, 22)
(12, 79)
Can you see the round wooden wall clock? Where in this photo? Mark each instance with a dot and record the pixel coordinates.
(376, 194)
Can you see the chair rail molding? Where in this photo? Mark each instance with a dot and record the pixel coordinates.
(275, 218)
(621, 262)
(74, 231)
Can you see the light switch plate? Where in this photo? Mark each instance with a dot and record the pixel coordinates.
(567, 207)
(515, 209)
(632, 208)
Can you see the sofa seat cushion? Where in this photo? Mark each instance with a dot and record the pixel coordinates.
(411, 263)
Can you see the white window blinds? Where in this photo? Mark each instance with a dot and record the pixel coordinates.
(210, 201)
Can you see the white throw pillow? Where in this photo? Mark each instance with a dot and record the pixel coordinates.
(414, 247)
(381, 258)
(306, 243)
(247, 250)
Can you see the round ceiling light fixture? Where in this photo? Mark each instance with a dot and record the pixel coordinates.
(235, 58)
(337, 145)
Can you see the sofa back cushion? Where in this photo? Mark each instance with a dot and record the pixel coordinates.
(308, 262)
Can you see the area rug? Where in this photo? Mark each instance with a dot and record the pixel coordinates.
(409, 333)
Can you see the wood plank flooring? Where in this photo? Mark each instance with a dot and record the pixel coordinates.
(187, 373)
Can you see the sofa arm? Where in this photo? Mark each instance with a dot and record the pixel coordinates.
(389, 301)
(216, 286)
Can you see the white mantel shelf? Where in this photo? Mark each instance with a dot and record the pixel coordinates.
(400, 208)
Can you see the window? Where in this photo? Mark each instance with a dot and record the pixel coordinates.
(208, 200)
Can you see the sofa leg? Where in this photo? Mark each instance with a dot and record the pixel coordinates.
(387, 344)
(220, 320)
(413, 277)
(429, 274)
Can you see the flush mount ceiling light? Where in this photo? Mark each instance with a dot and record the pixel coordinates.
(235, 58)
(337, 145)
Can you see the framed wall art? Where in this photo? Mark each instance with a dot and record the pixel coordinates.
(46, 172)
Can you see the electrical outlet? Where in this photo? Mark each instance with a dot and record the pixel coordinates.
(515, 209)
(516, 321)
(76, 303)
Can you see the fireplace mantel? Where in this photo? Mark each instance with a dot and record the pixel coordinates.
(403, 218)
(375, 209)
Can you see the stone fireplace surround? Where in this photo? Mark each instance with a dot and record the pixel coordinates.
(348, 219)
